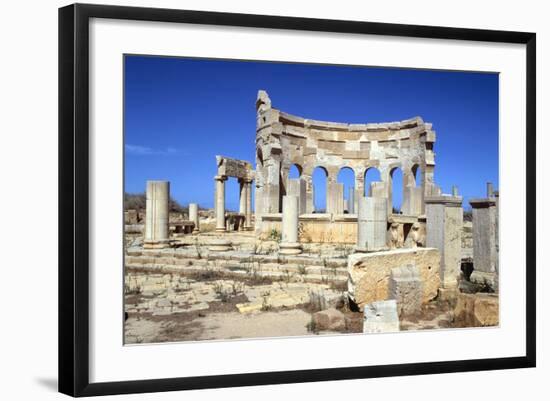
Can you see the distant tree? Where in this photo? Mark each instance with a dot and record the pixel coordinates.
(137, 202)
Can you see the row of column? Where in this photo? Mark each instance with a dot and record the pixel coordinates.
(245, 202)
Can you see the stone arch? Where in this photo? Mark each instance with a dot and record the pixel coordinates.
(346, 177)
(320, 176)
(396, 188)
(417, 175)
(372, 174)
(295, 171)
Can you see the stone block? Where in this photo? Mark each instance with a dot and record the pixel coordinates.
(476, 310)
(489, 280)
(329, 319)
(369, 273)
(381, 317)
(407, 289)
(321, 299)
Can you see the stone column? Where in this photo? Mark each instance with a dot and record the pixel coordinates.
(484, 225)
(351, 200)
(248, 212)
(444, 232)
(335, 198)
(242, 196)
(289, 243)
(416, 201)
(220, 202)
(157, 213)
(372, 220)
(359, 187)
(490, 190)
(297, 187)
(194, 216)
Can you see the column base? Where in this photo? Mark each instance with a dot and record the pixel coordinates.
(220, 230)
(157, 244)
(195, 232)
(290, 248)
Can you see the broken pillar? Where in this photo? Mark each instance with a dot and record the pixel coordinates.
(297, 187)
(372, 218)
(490, 190)
(220, 202)
(194, 216)
(444, 232)
(381, 317)
(335, 198)
(485, 238)
(406, 288)
(413, 201)
(289, 243)
(157, 213)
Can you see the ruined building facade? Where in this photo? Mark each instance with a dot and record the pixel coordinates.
(283, 140)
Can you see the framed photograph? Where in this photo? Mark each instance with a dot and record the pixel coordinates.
(251, 199)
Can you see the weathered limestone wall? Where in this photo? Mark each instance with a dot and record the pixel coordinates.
(320, 228)
(283, 140)
(369, 273)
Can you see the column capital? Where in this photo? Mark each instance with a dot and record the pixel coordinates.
(444, 200)
(220, 178)
(479, 203)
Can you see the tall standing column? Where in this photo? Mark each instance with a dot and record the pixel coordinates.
(289, 243)
(444, 232)
(242, 196)
(351, 200)
(157, 213)
(372, 220)
(194, 216)
(248, 206)
(220, 202)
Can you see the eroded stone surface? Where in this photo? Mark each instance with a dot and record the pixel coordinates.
(381, 317)
(475, 310)
(406, 288)
(369, 274)
(329, 319)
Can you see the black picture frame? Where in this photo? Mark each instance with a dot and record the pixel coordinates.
(74, 198)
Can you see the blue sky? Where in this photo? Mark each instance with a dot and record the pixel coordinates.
(180, 113)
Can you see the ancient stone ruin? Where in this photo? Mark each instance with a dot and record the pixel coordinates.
(359, 257)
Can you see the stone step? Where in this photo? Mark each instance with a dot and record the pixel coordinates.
(243, 257)
(275, 275)
(233, 266)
